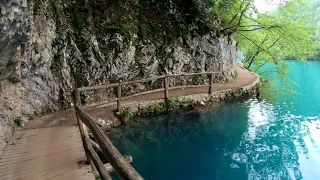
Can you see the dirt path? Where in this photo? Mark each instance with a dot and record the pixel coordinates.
(67, 117)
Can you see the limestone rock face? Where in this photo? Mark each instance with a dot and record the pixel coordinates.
(50, 47)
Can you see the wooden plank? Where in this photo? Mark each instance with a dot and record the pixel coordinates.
(166, 87)
(121, 166)
(28, 166)
(90, 88)
(38, 152)
(142, 80)
(190, 86)
(142, 93)
(119, 99)
(50, 156)
(191, 74)
(50, 165)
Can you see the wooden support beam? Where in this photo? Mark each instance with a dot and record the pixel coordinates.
(119, 99)
(166, 87)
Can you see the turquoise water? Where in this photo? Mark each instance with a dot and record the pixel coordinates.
(275, 137)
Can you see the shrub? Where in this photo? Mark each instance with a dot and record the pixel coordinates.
(171, 102)
(126, 113)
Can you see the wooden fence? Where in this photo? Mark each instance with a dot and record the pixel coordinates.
(166, 87)
(118, 163)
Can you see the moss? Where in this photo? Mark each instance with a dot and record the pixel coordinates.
(18, 122)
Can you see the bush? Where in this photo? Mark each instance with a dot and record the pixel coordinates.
(171, 102)
(126, 113)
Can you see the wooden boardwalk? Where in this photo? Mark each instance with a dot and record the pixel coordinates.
(48, 153)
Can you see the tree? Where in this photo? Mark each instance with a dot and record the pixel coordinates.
(269, 38)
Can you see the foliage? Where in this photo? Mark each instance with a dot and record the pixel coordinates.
(171, 102)
(126, 113)
(235, 74)
(156, 108)
(268, 38)
(18, 122)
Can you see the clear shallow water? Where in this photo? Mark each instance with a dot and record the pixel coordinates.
(276, 137)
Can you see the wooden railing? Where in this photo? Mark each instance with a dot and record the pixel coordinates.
(166, 87)
(118, 163)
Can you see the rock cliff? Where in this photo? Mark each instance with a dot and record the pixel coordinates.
(49, 47)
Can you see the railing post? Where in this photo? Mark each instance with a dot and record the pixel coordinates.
(211, 84)
(166, 87)
(83, 133)
(119, 99)
(78, 99)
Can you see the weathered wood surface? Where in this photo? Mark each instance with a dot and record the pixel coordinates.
(109, 167)
(96, 160)
(142, 93)
(118, 162)
(49, 153)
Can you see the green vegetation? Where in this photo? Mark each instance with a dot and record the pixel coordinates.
(235, 74)
(268, 38)
(126, 113)
(156, 108)
(172, 102)
(18, 122)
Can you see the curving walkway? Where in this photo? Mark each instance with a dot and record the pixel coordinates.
(50, 147)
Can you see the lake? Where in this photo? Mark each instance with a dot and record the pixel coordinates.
(274, 137)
